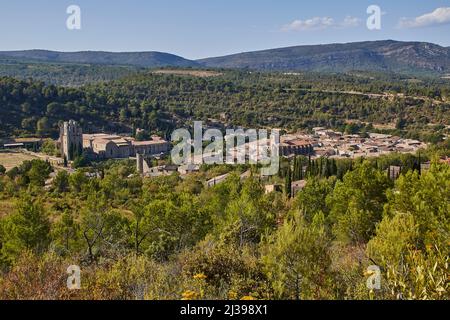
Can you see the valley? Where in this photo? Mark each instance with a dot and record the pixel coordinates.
(360, 183)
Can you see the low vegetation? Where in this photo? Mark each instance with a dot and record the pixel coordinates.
(172, 238)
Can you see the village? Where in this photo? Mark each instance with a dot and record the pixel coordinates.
(321, 143)
(332, 144)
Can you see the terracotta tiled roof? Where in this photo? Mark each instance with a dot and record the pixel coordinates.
(297, 143)
(148, 143)
(100, 136)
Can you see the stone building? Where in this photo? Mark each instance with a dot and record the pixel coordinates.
(101, 146)
(141, 165)
(32, 144)
(297, 147)
(105, 146)
(70, 140)
(394, 172)
(153, 147)
(271, 188)
(188, 169)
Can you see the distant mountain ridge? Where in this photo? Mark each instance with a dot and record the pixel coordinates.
(389, 55)
(138, 59)
(375, 56)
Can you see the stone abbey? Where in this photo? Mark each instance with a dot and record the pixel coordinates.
(101, 146)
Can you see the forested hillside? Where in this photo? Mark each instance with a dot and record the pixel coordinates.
(138, 59)
(159, 102)
(63, 74)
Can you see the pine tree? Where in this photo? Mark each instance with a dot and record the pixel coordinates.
(28, 228)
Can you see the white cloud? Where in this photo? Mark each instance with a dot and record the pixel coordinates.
(320, 23)
(316, 23)
(439, 16)
(350, 22)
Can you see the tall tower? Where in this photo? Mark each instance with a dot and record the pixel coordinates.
(71, 140)
(140, 163)
(142, 166)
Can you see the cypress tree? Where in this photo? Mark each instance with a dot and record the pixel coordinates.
(300, 176)
(420, 164)
(320, 167)
(71, 152)
(288, 184)
(335, 169)
(313, 168)
(294, 173)
(327, 168)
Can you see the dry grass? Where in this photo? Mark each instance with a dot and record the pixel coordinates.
(6, 207)
(13, 159)
(381, 126)
(388, 126)
(193, 73)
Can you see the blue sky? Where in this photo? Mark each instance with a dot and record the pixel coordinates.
(204, 28)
